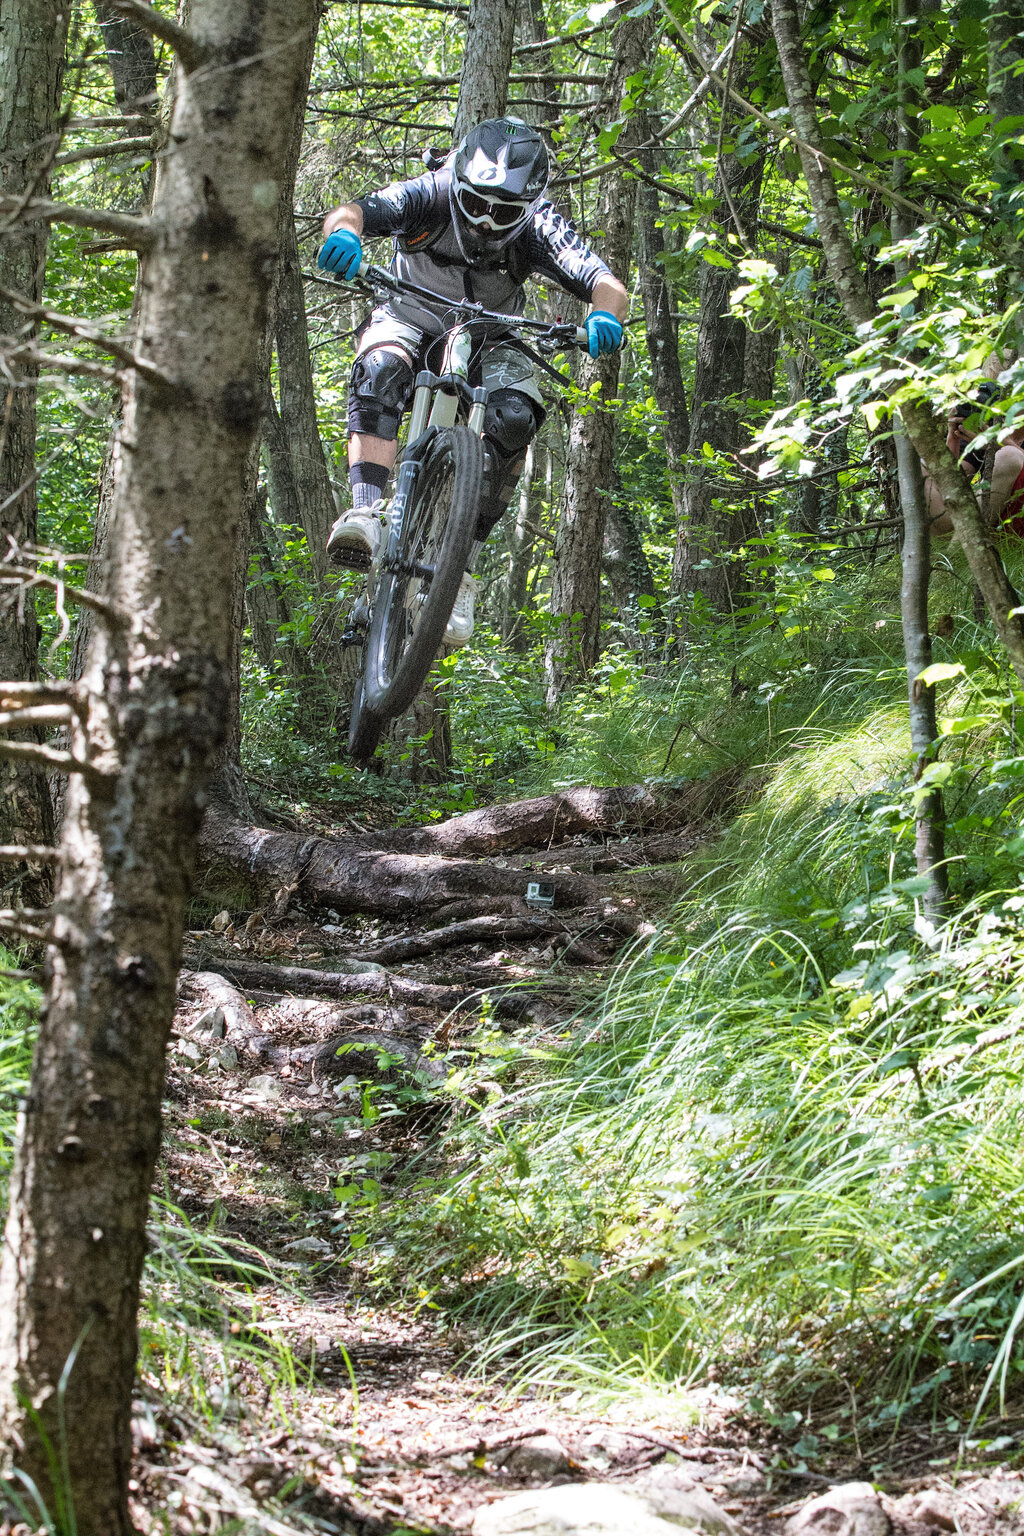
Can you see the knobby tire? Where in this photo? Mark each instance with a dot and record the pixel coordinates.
(410, 616)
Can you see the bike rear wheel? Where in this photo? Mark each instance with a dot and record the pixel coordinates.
(415, 597)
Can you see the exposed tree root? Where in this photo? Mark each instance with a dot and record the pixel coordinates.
(508, 1002)
(494, 930)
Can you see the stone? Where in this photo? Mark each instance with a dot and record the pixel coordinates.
(740, 1482)
(309, 1247)
(212, 1022)
(849, 1509)
(690, 1508)
(931, 1507)
(541, 1456)
(600, 1509)
(265, 1087)
(190, 1051)
(226, 1057)
(604, 1447)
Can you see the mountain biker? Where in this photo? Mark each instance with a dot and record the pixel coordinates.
(475, 229)
(1006, 492)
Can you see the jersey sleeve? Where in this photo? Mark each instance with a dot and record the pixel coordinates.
(397, 208)
(555, 250)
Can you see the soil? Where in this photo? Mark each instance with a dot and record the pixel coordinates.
(384, 1429)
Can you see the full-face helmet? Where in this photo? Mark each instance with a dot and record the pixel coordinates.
(499, 173)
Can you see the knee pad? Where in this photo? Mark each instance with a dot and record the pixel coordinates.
(510, 425)
(378, 393)
(510, 422)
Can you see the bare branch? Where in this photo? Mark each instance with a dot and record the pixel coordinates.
(58, 362)
(36, 853)
(102, 151)
(112, 613)
(14, 922)
(189, 49)
(84, 330)
(21, 692)
(135, 231)
(89, 124)
(35, 715)
(49, 757)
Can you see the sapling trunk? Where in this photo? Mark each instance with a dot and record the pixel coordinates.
(930, 822)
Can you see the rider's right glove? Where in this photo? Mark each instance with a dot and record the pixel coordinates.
(604, 332)
(341, 252)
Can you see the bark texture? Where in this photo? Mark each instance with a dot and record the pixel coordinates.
(313, 496)
(590, 460)
(663, 349)
(713, 526)
(132, 60)
(924, 428)
(486, 63)
(33, 35)
(929, 832)
(153, 704)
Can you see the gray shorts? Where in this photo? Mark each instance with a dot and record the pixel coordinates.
(501, 366)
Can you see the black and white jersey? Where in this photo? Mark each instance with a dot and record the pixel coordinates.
(417, 214)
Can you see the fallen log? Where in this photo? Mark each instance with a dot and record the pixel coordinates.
(248, 867)
(549, 819)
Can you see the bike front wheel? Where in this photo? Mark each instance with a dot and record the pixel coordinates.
(417, 592)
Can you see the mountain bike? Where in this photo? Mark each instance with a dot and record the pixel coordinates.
(433, 500)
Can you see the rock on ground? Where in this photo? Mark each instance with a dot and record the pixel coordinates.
(596, 1509)
(542, 1456)
(850, 1509)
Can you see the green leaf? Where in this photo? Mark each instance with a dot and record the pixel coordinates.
(897, 1060)
(941, 672)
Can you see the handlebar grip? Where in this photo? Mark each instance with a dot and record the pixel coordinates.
(582, 338)
(364, 267)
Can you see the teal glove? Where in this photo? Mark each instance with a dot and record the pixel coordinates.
(604, 332)
(341, 252)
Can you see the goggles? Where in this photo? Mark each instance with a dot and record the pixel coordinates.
(489, 213)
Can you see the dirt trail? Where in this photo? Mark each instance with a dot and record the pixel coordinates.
(385, 1432)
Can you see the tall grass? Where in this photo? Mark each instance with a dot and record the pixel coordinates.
(809, 1186)
(786, 1151)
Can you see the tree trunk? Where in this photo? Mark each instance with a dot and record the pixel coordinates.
(713, 526)
(132, 60)
(486, 63)
(154, 698)
(33, 34)
(930, 827)
(663, 346)
(314, 497)
(522, 541)
(629, 570)
(590, 460)
(925, 430)
(1005, 29)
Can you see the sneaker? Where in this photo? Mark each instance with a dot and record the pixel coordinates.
(355, 538)
(460, 625)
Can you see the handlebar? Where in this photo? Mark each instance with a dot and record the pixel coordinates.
(380, 278)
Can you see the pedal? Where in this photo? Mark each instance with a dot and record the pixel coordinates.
(350, 560)
(351, 636)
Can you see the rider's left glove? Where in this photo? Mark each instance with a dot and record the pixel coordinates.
(341, 252)
(604, 333)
